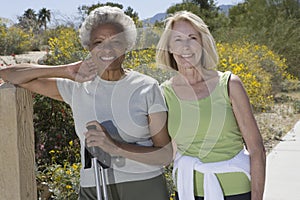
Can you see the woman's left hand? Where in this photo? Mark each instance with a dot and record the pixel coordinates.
(100, 138)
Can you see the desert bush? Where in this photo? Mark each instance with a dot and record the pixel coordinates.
(61, 179)
(53, 121)
(54, 129)
(296, 106)
(261, 70)
(290, 85)
(65, 47)
(13, 40)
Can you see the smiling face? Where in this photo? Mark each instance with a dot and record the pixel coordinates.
(185, 45)
(108, 46)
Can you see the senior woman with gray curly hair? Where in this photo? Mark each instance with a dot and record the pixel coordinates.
(100, 90)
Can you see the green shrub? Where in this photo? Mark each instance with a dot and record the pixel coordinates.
(54, 129)
(261, 70)
(13, 40)
(296, 106)
(62, 180)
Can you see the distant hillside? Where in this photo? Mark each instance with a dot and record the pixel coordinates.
(162, 16)
(157, 17)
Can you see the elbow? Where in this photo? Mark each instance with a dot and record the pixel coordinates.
(258, 153)
(3, 74)
(6, 75)
(168, 155)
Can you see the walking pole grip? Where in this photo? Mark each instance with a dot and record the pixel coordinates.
(103, 158)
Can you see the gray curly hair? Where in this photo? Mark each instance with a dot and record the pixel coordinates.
(108, 15)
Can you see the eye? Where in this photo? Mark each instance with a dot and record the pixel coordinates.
(116, 42)
(97, 42)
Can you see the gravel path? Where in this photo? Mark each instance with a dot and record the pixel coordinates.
(30, 57)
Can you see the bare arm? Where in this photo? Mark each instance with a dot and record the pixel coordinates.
(251, 134)
(41, 79)
(158, 154)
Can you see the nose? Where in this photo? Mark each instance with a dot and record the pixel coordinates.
(107, 47)
(186, 44)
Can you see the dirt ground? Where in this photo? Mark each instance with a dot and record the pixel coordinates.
(30, 57)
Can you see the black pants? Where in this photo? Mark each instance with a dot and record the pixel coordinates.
(246, 196)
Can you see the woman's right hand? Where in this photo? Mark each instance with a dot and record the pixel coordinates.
(82, 71)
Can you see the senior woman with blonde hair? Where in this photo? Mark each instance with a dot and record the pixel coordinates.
(100, 90)
(220, 152)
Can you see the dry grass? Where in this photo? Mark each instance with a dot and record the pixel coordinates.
(279, 120)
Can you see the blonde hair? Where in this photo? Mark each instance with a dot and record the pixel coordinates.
(108, 15)
(164, 58)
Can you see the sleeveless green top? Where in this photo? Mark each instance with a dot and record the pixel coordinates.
(207, 129)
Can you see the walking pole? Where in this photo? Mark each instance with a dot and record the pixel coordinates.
(97, 177)
(100, 160)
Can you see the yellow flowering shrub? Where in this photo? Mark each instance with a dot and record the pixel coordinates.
(261, 70)
(138, 57)
(143, 61)
(62, 179)
(65, 47)
(13, 40)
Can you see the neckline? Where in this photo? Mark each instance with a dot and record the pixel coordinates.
(121, 81)
(201, 99)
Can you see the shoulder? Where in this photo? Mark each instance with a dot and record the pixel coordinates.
(235, 86)
(140, 78)
(235, 81)
(69, 83)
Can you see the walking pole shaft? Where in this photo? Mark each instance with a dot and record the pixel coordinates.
(97, 177)
(104, 185)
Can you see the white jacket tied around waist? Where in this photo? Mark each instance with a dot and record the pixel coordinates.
(185, 166)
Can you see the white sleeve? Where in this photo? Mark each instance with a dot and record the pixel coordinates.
(65, 88)
(155, 100)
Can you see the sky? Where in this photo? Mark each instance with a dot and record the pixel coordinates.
(145, 8)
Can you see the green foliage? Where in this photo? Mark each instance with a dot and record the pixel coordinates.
(85, 10)
(57, 146)
(274, 23)
(143, 61)
(54, 126)
(296, 106)
(65, 47)
(32, 22)
(24, 36)
(44, 16)
(54, 130)
(261, 70)
(206, 9)
(13, 40)
(62, 179)
(29, 21)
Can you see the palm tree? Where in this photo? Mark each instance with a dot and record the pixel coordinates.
(28, 21)
(29, 14)
(44, 16)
